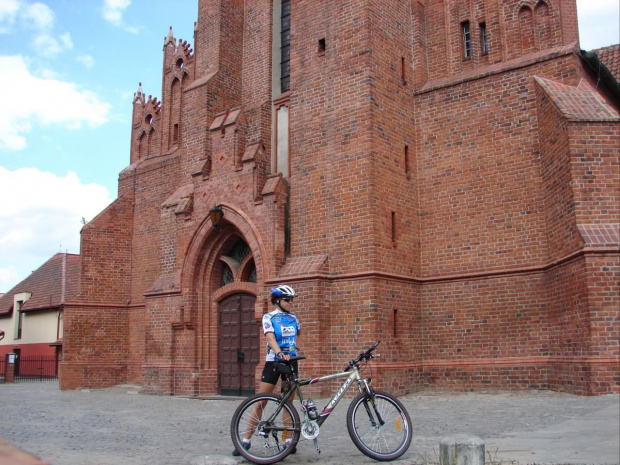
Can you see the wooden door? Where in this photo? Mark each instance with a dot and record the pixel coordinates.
(238, 345)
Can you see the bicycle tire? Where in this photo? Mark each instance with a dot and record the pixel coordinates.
(383, 443)
(267, 445)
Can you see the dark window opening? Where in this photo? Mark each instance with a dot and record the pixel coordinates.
(466, 39)
(484, 46)
(393, 225)
(285, 47)
(20, 324)
(395, 324)
(321, 46)
(240, 251)
(175, 133)
(227, 276)
(403, 70)
(407, 168)
(252, 275)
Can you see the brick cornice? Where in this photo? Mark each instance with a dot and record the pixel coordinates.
(498, 68)
(456, 277)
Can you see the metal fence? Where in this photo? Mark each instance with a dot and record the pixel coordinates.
(36, 369)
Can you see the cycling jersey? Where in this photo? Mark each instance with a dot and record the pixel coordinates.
(285, 327)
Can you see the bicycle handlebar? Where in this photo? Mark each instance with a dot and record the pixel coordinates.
(367, 355)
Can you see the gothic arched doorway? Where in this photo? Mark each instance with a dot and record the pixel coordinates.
(239, 332)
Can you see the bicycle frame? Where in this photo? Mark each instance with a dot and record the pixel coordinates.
(352, 375)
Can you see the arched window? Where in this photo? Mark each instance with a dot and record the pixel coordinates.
(543, 25)
(526, 26)
(175, 114)
(143, 146)
(237, 263)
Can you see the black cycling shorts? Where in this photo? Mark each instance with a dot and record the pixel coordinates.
(271, 376)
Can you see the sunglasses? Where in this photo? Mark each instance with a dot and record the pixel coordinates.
(287, 299)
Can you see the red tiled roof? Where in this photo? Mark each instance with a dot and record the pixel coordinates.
(51, 285)
(610, 57)
(581, 103)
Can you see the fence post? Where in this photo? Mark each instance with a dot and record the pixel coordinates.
(9, 368)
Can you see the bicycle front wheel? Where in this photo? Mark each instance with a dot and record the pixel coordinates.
(380, 429)
(272, 427)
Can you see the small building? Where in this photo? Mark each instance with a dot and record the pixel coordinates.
(31, 314)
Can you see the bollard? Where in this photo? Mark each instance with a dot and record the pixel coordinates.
(461, 449)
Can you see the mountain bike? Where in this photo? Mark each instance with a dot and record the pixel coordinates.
(377, 422)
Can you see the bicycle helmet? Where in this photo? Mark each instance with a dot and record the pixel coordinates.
(282, 291)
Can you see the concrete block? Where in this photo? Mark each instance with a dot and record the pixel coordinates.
(461, 449)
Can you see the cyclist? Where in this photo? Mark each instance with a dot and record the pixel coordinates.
(281, 329)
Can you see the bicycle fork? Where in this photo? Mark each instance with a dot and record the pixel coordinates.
(371, 398)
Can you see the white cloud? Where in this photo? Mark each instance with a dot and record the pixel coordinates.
(86, 60)
(9, 276)
(44, 219)
(48, 101)
(113, 13)
(66, 41)
(39, 15)
(45, 45)
(49, 47)
(599, 23)
(113, 10)
(8, 12)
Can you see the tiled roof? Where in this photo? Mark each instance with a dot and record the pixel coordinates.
(51, 285)
(581, 103)
(610, 57)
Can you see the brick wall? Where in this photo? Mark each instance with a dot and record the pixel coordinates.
(462, 211)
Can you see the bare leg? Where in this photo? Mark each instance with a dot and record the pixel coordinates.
(258, 410)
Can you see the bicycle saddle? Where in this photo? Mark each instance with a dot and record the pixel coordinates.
(292, 359)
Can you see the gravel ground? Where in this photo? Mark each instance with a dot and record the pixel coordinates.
(120, 426)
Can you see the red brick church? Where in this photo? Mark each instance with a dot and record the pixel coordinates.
(440, 175)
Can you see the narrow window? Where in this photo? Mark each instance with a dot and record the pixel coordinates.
(285, 46)
(395, 325)
(175, 133)
(393, 223)
(321, 46)
(282, 162)
(19, 323)
(466, 39)
(403, 71)
(407, 169)
(484, 46)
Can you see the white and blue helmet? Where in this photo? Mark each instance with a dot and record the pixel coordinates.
(281, 291)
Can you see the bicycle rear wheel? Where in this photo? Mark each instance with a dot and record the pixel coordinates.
(380, 442)
(269, 424)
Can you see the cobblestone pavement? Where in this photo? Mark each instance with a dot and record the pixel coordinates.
(120, 426)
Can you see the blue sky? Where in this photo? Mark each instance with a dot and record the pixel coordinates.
(68, 71)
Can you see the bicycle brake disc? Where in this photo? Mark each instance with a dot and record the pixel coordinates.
(310, 429)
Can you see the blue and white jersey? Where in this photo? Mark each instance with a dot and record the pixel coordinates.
(285, 327)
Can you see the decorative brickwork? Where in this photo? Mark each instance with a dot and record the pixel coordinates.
(458, 204)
